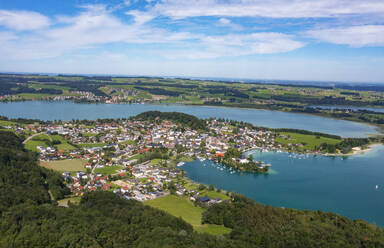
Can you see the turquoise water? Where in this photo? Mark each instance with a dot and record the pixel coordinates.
(68, 110)
(346, 186)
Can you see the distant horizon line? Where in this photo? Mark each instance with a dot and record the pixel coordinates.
(212, 78)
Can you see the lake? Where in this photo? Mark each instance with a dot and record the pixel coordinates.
(379, 110)
(344, 186)
(66, 110)
(335, 184)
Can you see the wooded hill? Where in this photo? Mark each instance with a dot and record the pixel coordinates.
(30, 218)
(184, 119)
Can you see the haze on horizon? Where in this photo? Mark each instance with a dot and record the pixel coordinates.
(323, 40)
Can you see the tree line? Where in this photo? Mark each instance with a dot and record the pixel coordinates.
(181, 118)
(30, 218)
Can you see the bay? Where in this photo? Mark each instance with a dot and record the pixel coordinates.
(346, 186)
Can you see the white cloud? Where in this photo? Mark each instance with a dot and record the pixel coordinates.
(266, 8)
(97, 26)
(355, 36)
(225, 22)
(23, 20)
(7, 36)
(140, 17)
(93, 27)
(238, 45)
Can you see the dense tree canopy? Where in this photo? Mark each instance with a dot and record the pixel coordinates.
(263, 226)
(30, 218)
(184, 119)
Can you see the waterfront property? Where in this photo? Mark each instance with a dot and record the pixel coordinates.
(304, 181)
(66, 111)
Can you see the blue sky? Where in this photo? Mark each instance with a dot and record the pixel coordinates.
(324, 40)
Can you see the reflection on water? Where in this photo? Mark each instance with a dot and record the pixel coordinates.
(45, 110)
(345, 185)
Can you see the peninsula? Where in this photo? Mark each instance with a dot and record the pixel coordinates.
(137, 157)
(104, 169)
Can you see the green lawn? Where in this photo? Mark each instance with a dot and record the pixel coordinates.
(184, 208)
(64, 143)
(7, 123)
(89, 145)
(155, 161)
(214, 194)
(65, 165)
(33, 96)
(36, 141)
(206, 192)
(136, 156)
(36, 85)
(89, 134)
(129, 142)
(65, 147)
(72, 199)
(107, 170)
(32, 144)
(310, 140)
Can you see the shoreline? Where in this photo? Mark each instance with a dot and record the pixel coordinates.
(354, 152)
(378, 129)
(207, 105)
(357, 151)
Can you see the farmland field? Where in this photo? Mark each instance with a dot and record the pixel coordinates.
(107, 170)
(182, 207)
(65, 165)
(309, 141)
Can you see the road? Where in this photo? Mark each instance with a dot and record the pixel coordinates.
(30, 137)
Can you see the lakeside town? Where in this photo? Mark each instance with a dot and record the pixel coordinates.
(140, 159)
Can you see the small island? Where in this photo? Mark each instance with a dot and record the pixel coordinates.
(235, 159)
(166, 139)
(122, 165)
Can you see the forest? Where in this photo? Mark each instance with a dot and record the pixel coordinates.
(263, 226)
(184, 119)
(30, 217)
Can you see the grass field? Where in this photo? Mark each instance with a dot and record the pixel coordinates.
(206, 192)
(64, 144)
(33, 143)
(33, 96)
(89, 145)
(136, 156)
(7, 123)
(310, 141)
(38, 141)
(182, 207)
(89, 134)
(155, 161)
(107, 170)
(65, 165)
(64, 202)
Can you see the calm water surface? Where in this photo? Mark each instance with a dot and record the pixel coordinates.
(380, 110)
(66, 110)
(335, 184)
(345, 186)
